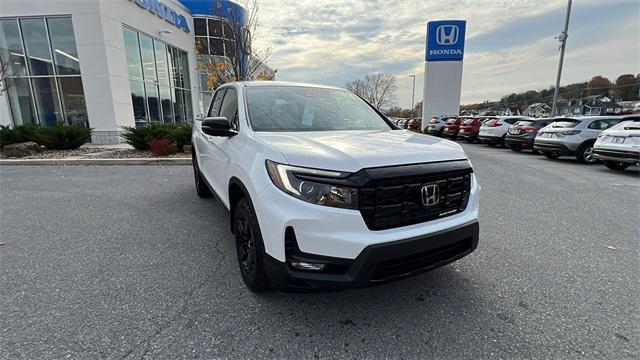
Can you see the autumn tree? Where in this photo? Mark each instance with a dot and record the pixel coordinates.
(378, 88)
(598, 85)
(624, 87)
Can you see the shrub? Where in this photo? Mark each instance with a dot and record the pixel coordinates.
(62, 137)
(17, 134)
(139, 137)
(162, 147)
(182, 135)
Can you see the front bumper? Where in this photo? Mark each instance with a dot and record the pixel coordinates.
(339, 233)
(380, 263)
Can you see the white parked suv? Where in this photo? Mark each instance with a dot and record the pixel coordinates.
(325, 193)
(494, 130)
(619, 146)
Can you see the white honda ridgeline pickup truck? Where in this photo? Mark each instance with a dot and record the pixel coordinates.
(324, 192)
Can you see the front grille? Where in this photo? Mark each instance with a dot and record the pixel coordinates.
(387, 203)
(427, 260)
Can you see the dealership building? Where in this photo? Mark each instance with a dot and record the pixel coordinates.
(110, 64)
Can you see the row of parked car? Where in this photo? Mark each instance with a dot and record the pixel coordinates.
(614, 140)
(413, 123)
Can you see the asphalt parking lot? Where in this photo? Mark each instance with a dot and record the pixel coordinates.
(127, 262)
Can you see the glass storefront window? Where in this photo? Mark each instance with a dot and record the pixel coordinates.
(47, 101)
(215, 27)
(161, 62)
(34, 32)
(214, 36)
(45, 85)
(178, 106)
(200, 27)
(19, 93)
(165, 100)
(217, 46)
(137, 97)
(132, 48)
(148, 59)
(73, 100)
(64, 46)
(11, 48)
(202, 45)
(153, 101)
(160, 80)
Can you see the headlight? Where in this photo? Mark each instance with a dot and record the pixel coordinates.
(293, 181)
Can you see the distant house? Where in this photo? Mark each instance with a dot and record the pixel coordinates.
(538, 110)
(600, 105)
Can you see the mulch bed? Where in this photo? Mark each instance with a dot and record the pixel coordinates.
(97, 153)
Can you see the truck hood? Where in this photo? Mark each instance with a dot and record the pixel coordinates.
(351, 151)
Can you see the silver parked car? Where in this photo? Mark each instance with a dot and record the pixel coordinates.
(573, 136)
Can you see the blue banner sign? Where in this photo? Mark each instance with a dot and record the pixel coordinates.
(164, 11)
(445, 40)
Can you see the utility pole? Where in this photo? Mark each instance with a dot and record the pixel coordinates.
(413, 93)
(563, 42)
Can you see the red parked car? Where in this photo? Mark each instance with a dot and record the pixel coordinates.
(470, 128)
(452, 127)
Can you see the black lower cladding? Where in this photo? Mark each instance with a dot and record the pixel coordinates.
(376, 264)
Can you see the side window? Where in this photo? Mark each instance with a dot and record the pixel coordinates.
(511, 121)
(214, 110)
(229, 108)
(598, 125)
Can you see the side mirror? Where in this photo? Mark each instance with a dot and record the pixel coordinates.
(217, 126)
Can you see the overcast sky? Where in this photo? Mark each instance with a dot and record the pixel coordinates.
(510, 45)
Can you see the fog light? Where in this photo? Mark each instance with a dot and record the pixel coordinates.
(307, 266)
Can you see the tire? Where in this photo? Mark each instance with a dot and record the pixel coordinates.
(516, 149)
(618, 166)
(535, 152)
(491, 143)
(249, 247)
(551, 155)
(201, 186)
(585, 154)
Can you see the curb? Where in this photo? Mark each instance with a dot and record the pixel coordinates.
(65, 162)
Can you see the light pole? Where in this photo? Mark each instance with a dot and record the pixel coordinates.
(563, 42)
(413, 93)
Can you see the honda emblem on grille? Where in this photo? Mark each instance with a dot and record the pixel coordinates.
(430, 194)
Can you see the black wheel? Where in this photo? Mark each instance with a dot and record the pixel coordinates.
(551, 155)
(585, 154)
(613, 165)
(249, 247)
(201, 186)
(491, 143)
(469, 140)
(535, 152)
(516, 149)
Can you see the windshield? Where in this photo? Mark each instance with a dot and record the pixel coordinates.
(293, 108)
(468, 122)
(451, 121)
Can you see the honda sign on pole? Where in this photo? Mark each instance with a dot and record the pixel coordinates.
(443, 69)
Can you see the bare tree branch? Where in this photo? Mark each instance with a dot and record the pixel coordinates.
(379, 89)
